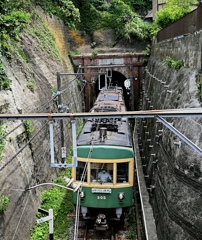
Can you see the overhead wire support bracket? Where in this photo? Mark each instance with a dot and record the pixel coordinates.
(52, 152)
(179, 134)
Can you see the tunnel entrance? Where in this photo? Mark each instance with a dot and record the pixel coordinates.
(117, 79)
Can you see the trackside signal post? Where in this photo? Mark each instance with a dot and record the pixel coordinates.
(48, 218)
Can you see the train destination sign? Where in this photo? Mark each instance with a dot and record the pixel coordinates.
(101, 190)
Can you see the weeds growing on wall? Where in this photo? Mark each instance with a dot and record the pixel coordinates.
(46, 39)
(31, 86)
(2, 141)
(4, 80)
(4, 202)
(174, 64)
(28, 128)
(199, 91)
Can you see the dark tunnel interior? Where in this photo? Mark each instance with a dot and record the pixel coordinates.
(116, 79)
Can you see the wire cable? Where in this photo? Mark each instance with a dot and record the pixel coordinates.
(21, 149)
(81, 181)
(18, 224)
(54, 184)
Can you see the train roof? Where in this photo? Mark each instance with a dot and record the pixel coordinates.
(107, 131)
(121, 137)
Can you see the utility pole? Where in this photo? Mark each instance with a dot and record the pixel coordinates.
(60, 107)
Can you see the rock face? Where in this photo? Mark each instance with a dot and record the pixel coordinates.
(174, 170)
(104, 37)
(26, 158)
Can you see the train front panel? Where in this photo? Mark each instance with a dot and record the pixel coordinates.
(109, 178)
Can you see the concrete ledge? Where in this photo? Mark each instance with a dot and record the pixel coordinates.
(148, 218)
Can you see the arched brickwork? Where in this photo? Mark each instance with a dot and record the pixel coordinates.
(119, 67)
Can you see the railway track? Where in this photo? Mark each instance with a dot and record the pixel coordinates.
(87, 232)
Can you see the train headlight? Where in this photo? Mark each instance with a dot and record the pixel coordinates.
(82, 195)
(121, 196)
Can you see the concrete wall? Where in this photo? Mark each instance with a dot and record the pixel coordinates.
(175, 172)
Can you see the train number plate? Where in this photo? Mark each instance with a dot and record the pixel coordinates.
(100, 190)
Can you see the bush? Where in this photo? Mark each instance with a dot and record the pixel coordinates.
(60, 201)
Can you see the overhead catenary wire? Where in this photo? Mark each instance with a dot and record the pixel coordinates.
(81, 181)
(20, 219)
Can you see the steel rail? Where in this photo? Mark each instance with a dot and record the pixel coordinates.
(166, 113)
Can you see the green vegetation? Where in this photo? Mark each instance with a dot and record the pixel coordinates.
(147, 51)
(94, 53)
(28, 128)
(45, 38)
(64, 9)
(115, 14)
(199, 92)
(31, 86)
(139, 6)
(60, 201)
(130, 224)
(171, 63)
(173, 11)
(129, 24)
(4, 80)
(14, 17)
(2, 141)
(91, 18)
(4, 201)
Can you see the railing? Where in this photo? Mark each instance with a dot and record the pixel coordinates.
(188, 24)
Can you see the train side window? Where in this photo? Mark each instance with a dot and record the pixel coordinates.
(79, 172)
(122, 172)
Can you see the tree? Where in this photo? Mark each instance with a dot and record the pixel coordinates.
(173, 10)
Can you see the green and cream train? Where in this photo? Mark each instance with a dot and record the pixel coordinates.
(105, 170)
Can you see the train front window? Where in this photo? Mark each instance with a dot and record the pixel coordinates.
(101, 173)
(122, 172)
(81, 172)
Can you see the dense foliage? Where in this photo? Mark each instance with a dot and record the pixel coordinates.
(13, 18)
(93, 19)
(65, 9)
(138, 6)
(115, 14)
(128, 23)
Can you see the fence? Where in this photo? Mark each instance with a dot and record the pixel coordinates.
(188, 24)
